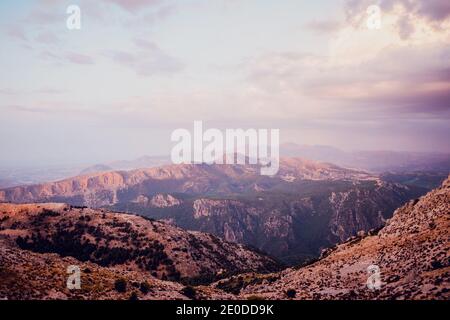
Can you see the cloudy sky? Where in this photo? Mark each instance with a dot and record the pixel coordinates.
(138, 69)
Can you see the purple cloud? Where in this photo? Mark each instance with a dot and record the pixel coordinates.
(134, 5)
(432, 10)
(45, 17)
(435, 10)
(389, 84)
(72, 57)
(148, 60)
(47, 38)
(123, 57)
(327, 26)
(49, 56)
(79, 58)
(146, 45)
(16, 31)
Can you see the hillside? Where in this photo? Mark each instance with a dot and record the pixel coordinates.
(129, 241)
(412, 252)
(28, 276)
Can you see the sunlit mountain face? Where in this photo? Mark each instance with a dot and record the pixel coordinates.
(217, 149)
(307, 207)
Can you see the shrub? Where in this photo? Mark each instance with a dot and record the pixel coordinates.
(232, 285)
(120, 285)
(291, 293)
(133, 296)
(436, 264)
(189, 292)
(145, 287)
(255, 297)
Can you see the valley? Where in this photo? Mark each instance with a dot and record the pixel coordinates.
(307, 207)
(39, 241)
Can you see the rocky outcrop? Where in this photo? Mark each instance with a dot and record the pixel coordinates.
(157, 201)
(209, 207)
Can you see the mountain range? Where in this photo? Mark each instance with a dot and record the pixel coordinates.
(306, 207)
(39, 241)
(373, 161)
(398, 162)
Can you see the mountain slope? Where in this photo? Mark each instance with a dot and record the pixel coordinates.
(135, 243)
(292, 225)
(374, 161)
(27, 275)
(412, 252)
(108, 188)
(306, 207)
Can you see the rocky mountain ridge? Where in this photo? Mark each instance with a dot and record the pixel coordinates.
(106, 188)
(411, 253)
(306, 207)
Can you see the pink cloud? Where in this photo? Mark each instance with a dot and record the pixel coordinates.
(327, 26)
(79, 58)
(134, 5)
(123, 57)
(398, 81)
(47, 37)
(146, 45)
(50, 56)
(432, 10)
(148, 60)
(437, 10)
(17, 32)
(41, 17)
(61, 57)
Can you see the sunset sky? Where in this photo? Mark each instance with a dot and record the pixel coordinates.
(138, 69)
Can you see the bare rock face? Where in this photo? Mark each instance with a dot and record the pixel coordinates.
(411, 254)
(164, 201)
(359, 209)
(210, 207)
(141, 199)
(158, 201)
(289, 226)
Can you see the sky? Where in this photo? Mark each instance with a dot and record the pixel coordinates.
(139, 69)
